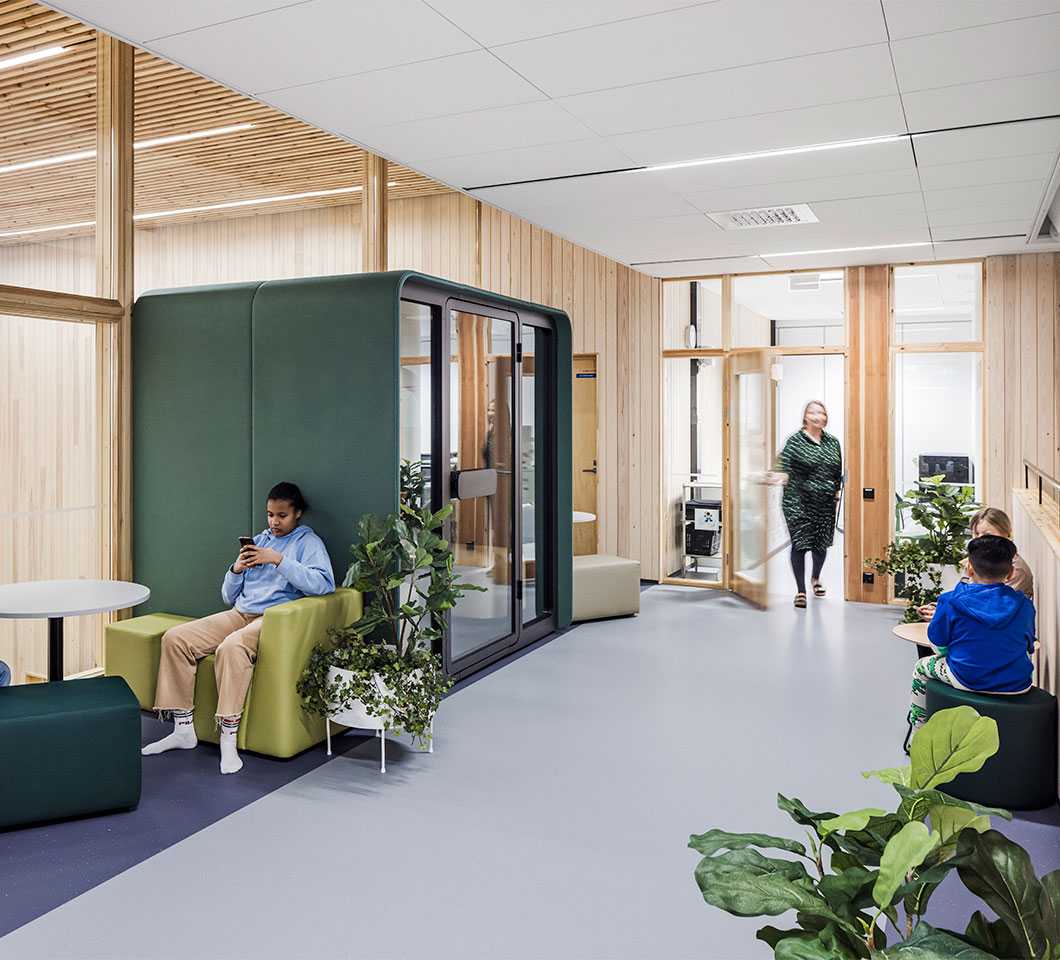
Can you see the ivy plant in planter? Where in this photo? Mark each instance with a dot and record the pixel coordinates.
(943, 510)
(858, 867)
(383, 665)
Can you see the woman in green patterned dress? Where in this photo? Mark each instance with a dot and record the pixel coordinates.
(811, 466)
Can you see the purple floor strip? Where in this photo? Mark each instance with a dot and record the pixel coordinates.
(41, 867)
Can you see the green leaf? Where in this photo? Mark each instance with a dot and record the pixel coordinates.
(927, 943)
(917, 803)
(868, 844)
(948, 822)
(800, 813)
(712, 841)
(905, 850)
(797, 948)
(991, 935)
(953, 741)
(773, 935)
(850, 888)
(854, 820)
(1000, 873)
(1051, 907)
(890, 774)
(746, 884)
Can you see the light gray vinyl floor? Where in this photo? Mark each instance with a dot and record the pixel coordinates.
(552, 820)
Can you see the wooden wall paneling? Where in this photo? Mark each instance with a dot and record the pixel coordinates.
(625, 417)
(1045, 402)
(374, 211)
(853, 556)
(1013, 429)
(1028, 370)
(994, 383)
(877, 420)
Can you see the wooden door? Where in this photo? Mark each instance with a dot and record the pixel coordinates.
(586, 469)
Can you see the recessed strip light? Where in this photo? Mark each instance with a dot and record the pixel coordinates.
(64, 226)
(766, 154)
(813, 253)
(252, 202)
(32, 57)
(197, 135)
(141, 145)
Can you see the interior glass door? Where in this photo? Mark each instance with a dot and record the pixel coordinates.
(484, 530)
(750, 410)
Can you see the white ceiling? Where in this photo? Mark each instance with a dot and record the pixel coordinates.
(479, 93)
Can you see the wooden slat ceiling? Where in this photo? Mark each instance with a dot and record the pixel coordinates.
(48, 108)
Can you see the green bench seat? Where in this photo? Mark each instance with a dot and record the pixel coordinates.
(274, 723)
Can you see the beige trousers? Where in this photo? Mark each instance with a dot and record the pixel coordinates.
(233, 637)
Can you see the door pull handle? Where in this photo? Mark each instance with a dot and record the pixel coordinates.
(589, 470)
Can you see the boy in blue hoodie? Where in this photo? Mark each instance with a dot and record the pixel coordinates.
(286, 561)
(983, 630)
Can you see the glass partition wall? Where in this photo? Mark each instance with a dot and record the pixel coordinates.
(785, 333)
(477, 428)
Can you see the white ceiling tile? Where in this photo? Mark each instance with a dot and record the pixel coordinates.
(870, 214)
(139, 21)
(503, 128)
(858, 258)
(1007, 49)
(458, 84)
(492, 22)
(1037, 166)
(705, 268)
(967, 231)
(728, 33)
(990, 248)
(315, 41)
(984, 143)
(867, 158)
(988, 101)
(914, 18)
(614, 196)
(1021, 198)
(528, 163)
(807, 191)
(842, 75)
(840, 121)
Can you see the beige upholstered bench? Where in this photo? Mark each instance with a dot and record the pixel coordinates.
(605, 587)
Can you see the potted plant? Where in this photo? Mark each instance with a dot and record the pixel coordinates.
(381, 672)
(925, 564)
(855, 870)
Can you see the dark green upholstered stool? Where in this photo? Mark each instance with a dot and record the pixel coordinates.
(68, 749)
(1022, 775)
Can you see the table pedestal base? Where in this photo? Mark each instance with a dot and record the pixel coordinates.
(55, 648)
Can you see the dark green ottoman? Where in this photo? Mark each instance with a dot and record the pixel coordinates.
(67, 749)
(1022, 775)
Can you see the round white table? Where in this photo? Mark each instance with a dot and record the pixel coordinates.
(52, 600)
(916, 633)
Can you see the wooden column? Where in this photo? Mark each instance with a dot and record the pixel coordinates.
(114, 280)
(374, 196)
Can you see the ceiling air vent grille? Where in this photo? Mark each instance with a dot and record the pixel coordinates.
(764, 217)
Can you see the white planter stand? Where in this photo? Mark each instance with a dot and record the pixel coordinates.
(358, 717)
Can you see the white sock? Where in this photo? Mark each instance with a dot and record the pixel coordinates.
(230, 761)
(182, 738)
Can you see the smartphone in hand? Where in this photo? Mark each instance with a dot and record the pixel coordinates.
(246, 542)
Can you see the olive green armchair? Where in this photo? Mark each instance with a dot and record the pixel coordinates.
(274, 723)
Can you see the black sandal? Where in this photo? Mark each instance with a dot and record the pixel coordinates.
(819, 591)
(800, 601)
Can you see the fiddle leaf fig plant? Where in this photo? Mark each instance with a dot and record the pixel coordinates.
(404, 569)
(856, 869)
(943, 511)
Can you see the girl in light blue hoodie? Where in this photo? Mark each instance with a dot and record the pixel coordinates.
(286, 561)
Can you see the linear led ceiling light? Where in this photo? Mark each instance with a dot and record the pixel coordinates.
(252, 202)
(141, 145)
(31, 57)
(811, 253)
(62, 226)
(766, 154)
